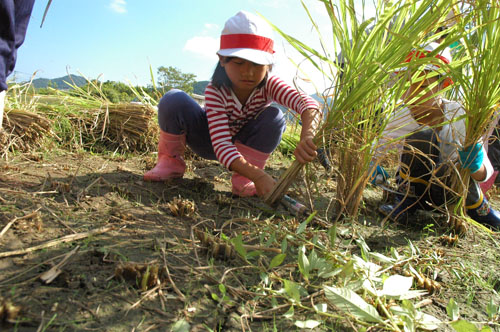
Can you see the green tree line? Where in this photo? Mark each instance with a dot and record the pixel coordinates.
(118, 92)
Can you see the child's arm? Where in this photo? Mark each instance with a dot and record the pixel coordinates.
(304, 105)
(480, 175)
(476, 160)
(264, 183)
(306, 149)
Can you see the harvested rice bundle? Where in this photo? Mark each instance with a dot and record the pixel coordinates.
(70, 116)
(131, 126)
(25, 130)
(127, 127)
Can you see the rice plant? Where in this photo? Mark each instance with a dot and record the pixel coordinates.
(24, 127)
(479, 77)
(362, 96)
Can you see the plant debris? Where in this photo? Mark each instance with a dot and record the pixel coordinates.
(142, 275)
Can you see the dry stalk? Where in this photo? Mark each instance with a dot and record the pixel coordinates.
(156, 310)
(79, 196)
(53, 243)
(57, 218)
(174, 286)
(283, 183)
(50, 275)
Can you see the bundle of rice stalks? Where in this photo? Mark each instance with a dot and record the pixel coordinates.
(363, 95)
(123, 127)
(24, 130)
(102, 125)
(129, 127)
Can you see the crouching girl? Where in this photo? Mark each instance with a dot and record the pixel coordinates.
(238, 125)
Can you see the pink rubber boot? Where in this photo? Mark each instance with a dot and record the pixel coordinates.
(242, 186)
(170, 158)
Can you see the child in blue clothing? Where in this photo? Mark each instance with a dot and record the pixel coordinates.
(433, 149)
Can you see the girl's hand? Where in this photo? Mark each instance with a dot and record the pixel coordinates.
(264, 184)
(306, 150)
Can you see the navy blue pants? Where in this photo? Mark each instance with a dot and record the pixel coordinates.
(178, 113)
(14, 19)
(423, 176)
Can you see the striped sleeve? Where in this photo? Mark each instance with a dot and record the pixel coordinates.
(287, 96)
(218, 126)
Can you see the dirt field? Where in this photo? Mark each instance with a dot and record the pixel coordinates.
(142, 268)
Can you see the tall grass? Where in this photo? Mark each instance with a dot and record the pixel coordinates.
(362, 96)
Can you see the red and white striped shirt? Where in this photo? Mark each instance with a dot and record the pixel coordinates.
(226, 116)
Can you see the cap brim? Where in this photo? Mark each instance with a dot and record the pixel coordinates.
(256, 56)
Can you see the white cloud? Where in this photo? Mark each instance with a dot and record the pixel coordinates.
(118, 6)
(211, 26)
(203, 45)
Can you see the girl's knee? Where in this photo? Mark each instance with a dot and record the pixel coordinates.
(172, 100)
(274, 119)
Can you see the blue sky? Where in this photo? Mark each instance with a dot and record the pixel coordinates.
(120, 39)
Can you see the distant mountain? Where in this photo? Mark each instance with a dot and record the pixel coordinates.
(59, 83)
(199, 87)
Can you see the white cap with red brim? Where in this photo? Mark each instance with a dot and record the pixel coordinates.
(249, 37)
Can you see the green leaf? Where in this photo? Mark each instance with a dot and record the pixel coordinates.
(491, 309)
(409, 323)
(464, 326)
(332, 234)
(274, 302)
(314, 260)
(351, 303)
(238, 246)
(320, 307)
(255, 253)
(290, 312)
(382, 258)
(222, 289)
(365, 250)
(308, 324)
(264, 277)
(486, 329)
(180, 326)
(452, 310)
(292, 289)
(277, 260)
(304, 266)
(325, 270)
(284, 245)
(427, 322)
(303, 225)
(409, 307)
(347, 270)
(370, 269)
